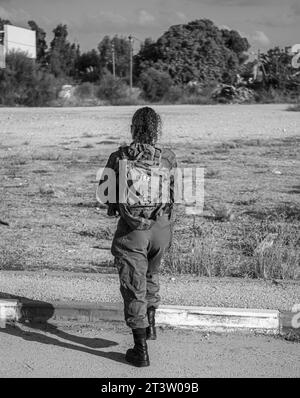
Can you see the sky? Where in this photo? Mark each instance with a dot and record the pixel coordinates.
(265, 23)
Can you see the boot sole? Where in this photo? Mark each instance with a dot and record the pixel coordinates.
(138, 364)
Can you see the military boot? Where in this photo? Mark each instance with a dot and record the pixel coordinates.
(138, 355)
(151, 329)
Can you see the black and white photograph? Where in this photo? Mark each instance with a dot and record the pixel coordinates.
(149, 192)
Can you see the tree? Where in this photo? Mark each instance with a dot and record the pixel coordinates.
(197, 51)
(155, 84)
(239, 45)
(63, 55)
(278, 68)
(23, 82)
(41, 44)
(4, 22)
(88, 66)
(112, 89)
(122, 54)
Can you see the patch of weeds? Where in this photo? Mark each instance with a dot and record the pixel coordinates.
(17, 160)
(212, 174)
(294, 108)
(222, 148)
(87, 135)
(266, 250)
(204, 256)
(271, 250)
(88, 205)
(46, 189)
(255, 142)
(106, 142)
(46, 156)
(40, 171)
(295, 189)
(286, 211)
(246, 202)
(292, 336)
(105, 233)
(11, 259)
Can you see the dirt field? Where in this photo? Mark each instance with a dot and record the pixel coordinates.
(49, 160)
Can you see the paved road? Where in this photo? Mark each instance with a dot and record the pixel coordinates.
(72, 350)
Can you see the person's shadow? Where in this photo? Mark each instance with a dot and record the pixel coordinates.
(45, 312)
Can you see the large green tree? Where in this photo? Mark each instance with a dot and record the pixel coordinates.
(197, 51)
(41, 43)
(88, 66)
(24, 82)
(122, 54)
(63, 55)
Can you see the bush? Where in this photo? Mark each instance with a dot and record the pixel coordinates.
(155, 84)
(25, 83)
(174, 95)
(273, 96)
(85, 90)
(112, 89)
(294, 108)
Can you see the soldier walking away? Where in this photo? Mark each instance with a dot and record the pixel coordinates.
(144, 229)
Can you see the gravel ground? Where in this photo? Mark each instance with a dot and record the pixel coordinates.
(70, 350)
(93, 288)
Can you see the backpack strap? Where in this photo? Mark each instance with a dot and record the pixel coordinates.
(157, 156)
(123, 154)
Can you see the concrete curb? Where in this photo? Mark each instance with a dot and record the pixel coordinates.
(9, 311)
(203, 318)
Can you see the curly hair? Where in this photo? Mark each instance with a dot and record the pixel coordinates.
(146, 126)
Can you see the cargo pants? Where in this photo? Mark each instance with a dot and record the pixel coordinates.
(138, 254)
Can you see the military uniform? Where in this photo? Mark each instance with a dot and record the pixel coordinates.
(139, 248)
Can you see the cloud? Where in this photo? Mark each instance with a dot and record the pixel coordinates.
(295, 7)
(235, 3)
(4, 14)
(87, 23)
(145, 18)
(260, 38)
(16, 16)
(181, 16)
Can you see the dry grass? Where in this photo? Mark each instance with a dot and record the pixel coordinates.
(46, 156)
(105, 233)
(12, 258)
(269, 250)
(251, 191)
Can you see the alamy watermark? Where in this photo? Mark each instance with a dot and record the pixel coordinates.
(142, 187)
(296, 317)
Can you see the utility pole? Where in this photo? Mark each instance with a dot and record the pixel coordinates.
(113, 59)
(2, 50)
(131, 61)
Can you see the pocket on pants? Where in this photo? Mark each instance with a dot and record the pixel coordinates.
(132, 283)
